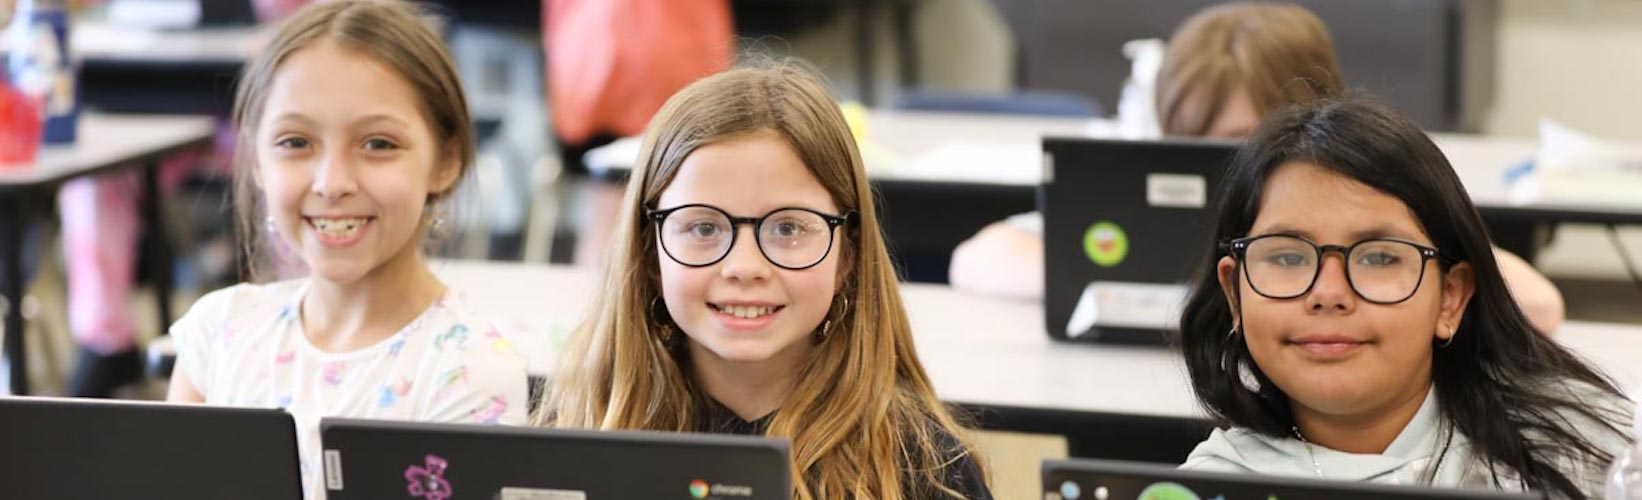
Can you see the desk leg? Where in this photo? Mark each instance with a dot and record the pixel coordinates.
(159, 245)
(866, 41)
(1522, 237)
(906, 43)
(11, 287)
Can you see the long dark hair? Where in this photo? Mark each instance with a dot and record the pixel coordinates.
(1499, 382)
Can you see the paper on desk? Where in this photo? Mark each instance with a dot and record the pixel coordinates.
(154, 13)
(94, 36)
(619, 155)
(1572, 166)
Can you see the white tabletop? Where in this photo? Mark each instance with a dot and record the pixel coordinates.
(107, 42)
(925, 146)
(1482, 163)
(105, 141)
(928, 146)
(1007, 150)
(978, 350)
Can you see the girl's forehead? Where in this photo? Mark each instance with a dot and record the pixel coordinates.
(328, 78)
(747, 175)
(1328, 206)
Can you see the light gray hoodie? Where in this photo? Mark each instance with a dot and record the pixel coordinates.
(1409, 459)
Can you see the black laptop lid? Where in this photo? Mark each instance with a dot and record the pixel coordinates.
(1125, 225)
(67, 448)
(377, 459)
(1114, 480)
(215, 13)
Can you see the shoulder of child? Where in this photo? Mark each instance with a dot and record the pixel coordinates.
(213, 321)
(470, 338)
(1613, 411)
(480, 375)
(1610, 430)
(1230, 450)
(214, 311)
(959, 470)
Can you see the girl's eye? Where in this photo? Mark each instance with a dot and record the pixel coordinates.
(1289, 259)
(379, 144)
(1379, 259)
(788, 229)
(704, 230)
(292, 143)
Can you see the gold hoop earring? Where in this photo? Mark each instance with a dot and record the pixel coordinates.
(1452, 332)
(840, 312)
(664, 328)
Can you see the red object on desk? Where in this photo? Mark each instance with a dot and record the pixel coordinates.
(20, 128)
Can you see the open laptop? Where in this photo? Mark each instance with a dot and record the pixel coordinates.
(378, 459)
(1125, 224)
(72, 448)
(1114, 480)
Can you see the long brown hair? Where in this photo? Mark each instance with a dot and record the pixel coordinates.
(863, 417)
(1280, 54)
(394, 33)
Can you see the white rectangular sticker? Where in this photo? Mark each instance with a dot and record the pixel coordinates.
(1119, 304)
(1177, 190)
(1048, 168)
(515, 493)
(333, 470)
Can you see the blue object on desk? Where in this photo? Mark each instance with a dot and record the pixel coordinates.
(1039, 103)
(40, 64)
(1519, 171)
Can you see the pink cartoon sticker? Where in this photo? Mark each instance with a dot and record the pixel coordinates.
(428, 481)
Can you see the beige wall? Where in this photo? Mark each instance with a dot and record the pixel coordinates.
(963, 45)
(1576, 61)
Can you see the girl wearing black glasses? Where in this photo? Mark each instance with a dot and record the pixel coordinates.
(1352, 324)
(750, 292)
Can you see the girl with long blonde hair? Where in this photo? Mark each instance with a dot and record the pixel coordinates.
(749, 291)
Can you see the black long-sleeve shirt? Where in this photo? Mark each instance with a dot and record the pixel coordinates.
(962, 475)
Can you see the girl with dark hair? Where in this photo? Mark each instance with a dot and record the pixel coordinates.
(1351, 323)
(1227, 67)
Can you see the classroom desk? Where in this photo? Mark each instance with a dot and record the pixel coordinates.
(105, 142)
(135, 70)
(988, 355)
(1522, 227)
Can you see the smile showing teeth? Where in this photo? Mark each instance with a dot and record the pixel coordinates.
(745, 312)
(340, 228)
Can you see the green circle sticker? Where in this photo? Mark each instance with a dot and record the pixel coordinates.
(1167, 491)
(1106, 244)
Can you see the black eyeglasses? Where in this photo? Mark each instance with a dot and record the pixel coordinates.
(698, 235)
(1380, 270)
